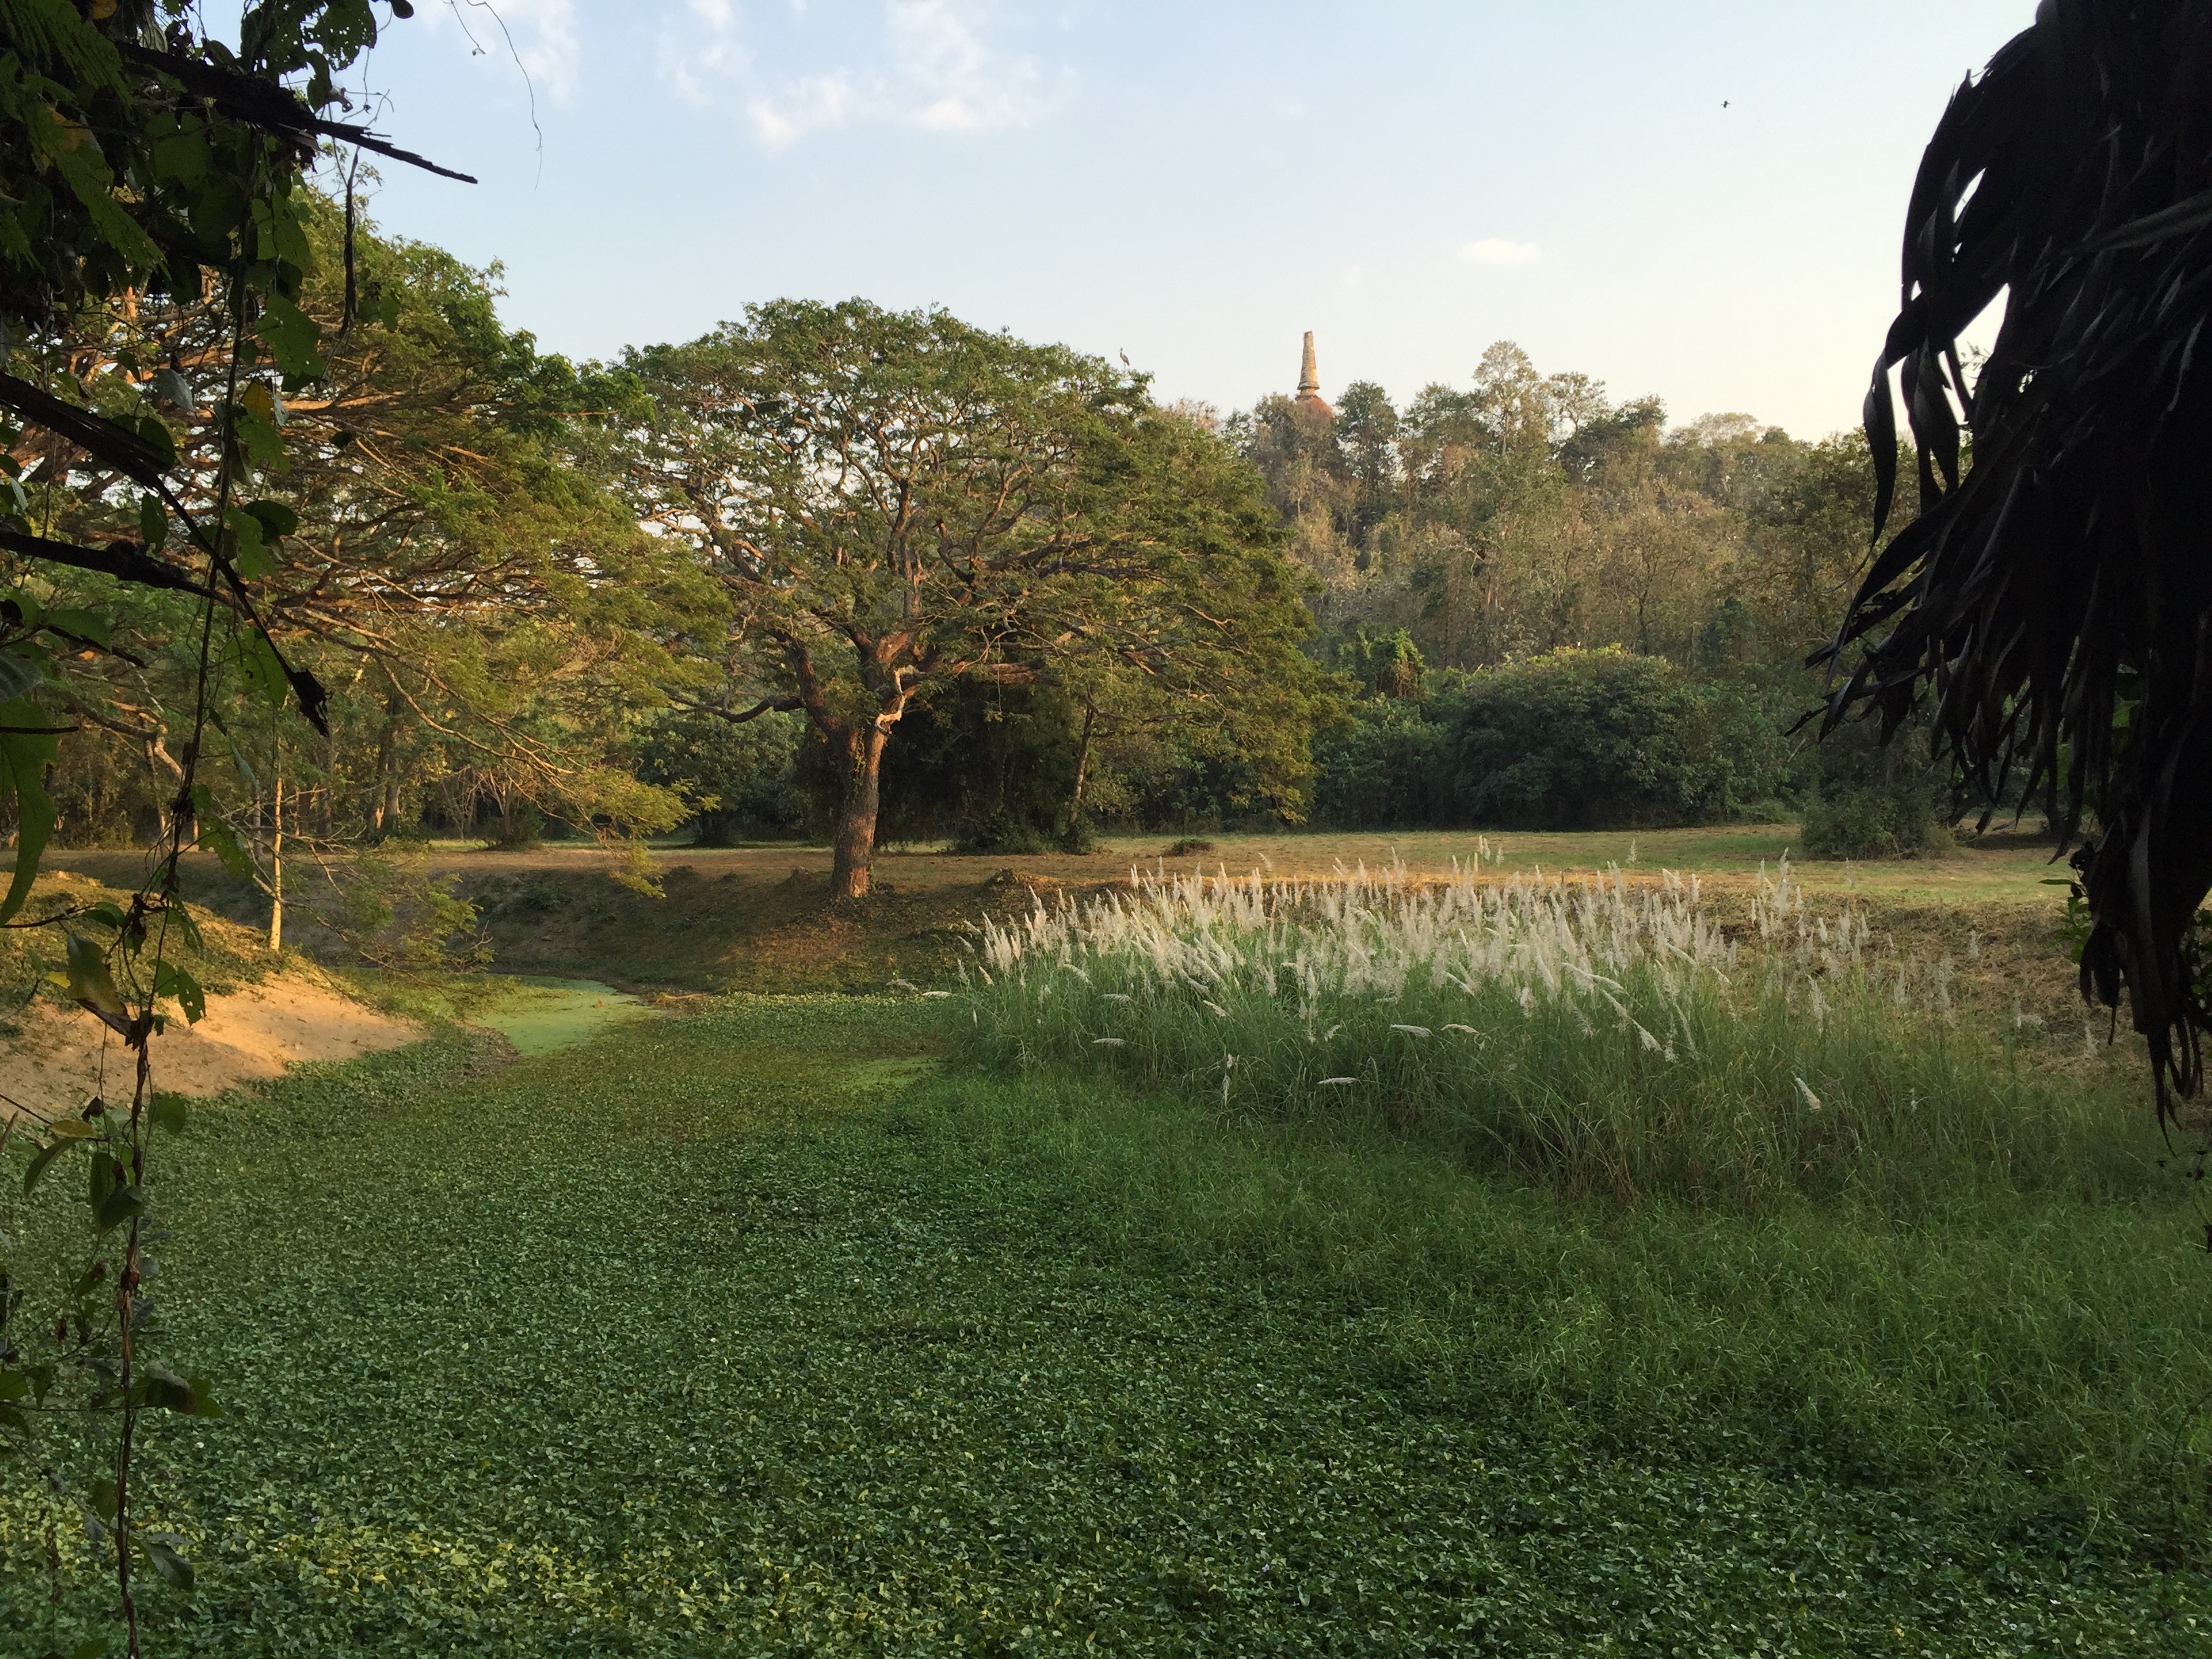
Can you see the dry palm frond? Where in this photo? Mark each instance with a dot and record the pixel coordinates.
(2057, 597)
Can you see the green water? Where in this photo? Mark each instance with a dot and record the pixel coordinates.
(543, 1015)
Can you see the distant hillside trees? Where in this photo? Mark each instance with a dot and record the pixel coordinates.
(1522, 516)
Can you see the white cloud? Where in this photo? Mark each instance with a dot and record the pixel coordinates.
(692, 60)
(1495, 251)
(956, 81)
(539, 34)
(806, 104)
(934, 66)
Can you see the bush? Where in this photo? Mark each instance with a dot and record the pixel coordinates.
(1389, 766)
(743, 777)
(1588, 739)
(999, 829)
(1871, 800)
(1873, 824)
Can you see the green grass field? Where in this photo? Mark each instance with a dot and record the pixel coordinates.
(770, 1328)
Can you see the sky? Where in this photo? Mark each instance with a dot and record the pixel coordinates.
(1698, 200)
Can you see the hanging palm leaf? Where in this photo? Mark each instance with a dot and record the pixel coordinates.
(2055, 598)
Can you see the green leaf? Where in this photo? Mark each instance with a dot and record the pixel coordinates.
(182, 157)
(41, 1162)
(19, 671)
(165, 1391)
(24, 758)
(153, 523)
(257, 663)
(93, 1647)
(171, 981)
(175, 1570)
(238, 757)
(245, 545)
(102, 1499)
(274, 518)
(255, 423)
(74, 619)
(78, 159)
(155, 431)
(90, 982)
(122, 1202)
(171, 1113)
(291, 333)
(109, 912)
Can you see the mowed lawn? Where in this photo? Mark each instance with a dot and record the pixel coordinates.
(761, 1330)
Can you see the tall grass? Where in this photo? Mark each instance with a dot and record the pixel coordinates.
(1607, 1039)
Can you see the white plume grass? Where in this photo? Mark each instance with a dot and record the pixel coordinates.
(1625, 1043)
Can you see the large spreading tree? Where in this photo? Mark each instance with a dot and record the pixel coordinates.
(895, 499)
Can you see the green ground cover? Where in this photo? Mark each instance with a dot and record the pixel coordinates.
(764, 1330)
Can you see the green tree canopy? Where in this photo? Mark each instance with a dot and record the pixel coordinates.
(895, 499)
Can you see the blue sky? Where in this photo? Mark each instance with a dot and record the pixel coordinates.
(1697, 199)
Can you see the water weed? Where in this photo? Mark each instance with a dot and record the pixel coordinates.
(758, 1331)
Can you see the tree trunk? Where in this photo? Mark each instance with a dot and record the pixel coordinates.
(855, 846)
(1082, 767)
(276, 869)
(384, 805)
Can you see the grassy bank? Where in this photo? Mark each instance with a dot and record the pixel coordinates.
(763, 1330)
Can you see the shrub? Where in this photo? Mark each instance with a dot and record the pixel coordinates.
(1581, 739)
(997, 827)
(1389, 766)
(1871, 800)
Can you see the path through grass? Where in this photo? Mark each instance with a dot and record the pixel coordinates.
(756, 1331)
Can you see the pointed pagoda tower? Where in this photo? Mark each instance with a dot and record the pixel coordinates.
(1309, 395)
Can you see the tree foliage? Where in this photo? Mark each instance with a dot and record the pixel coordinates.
(895, 502)
(142, 165)
(2052, 592)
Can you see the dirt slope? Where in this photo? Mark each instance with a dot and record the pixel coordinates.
(62, 1057)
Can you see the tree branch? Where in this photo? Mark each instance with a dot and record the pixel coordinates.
(124, 560)
(765, 706)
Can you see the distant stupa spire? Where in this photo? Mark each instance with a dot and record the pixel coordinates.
(1309, 383)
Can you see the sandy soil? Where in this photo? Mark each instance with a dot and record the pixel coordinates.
(65, 1056)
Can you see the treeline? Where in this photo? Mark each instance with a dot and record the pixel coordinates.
(1538, 609)
(1554, 611)
(838, 572)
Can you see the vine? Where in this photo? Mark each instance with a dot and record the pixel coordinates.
(137, 156)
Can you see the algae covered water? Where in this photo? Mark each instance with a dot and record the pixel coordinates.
(541, 1015)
